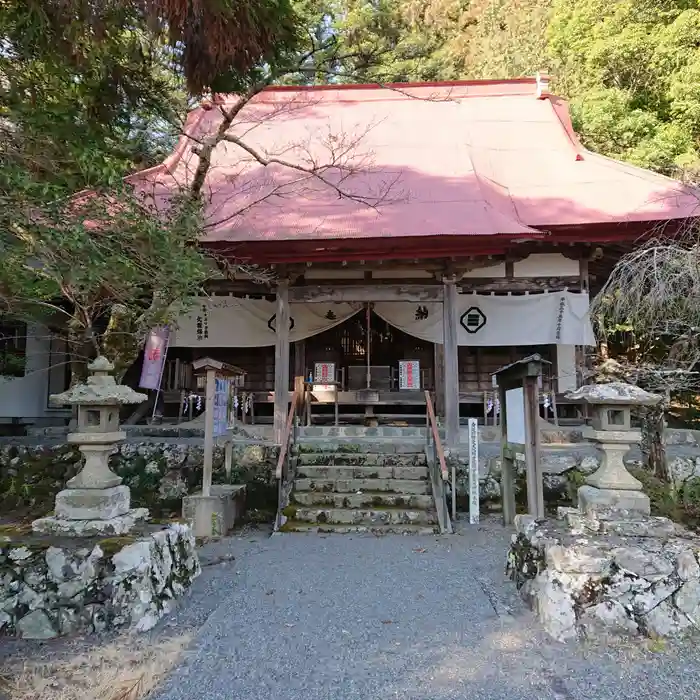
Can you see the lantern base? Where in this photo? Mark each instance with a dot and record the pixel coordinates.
(593, 501)
(121, 525)
(93, 504)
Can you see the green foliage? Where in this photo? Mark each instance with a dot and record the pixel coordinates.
(80, 108)
(681, 505)
(631, 68)
(398, 40)
(207, 39)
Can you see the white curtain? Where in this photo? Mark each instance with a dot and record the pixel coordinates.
(250, 323)
(559, 318)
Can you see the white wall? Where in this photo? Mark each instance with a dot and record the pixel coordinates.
(546, 265)
(26, 397)
(566, 368)
(492, 271)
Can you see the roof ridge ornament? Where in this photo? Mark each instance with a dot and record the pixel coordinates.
(542, 79)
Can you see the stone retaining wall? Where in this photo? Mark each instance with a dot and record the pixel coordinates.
(162, 463)
(158, 471)
(51, 586)
(639, 576)
(566, 460)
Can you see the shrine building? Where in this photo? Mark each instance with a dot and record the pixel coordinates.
(447, 230)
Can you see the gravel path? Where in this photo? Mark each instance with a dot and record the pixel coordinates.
(306, 617)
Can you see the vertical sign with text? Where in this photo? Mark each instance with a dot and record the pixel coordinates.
(473, 432)
(221, 401)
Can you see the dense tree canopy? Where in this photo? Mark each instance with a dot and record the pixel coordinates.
(407, 40)
(632, 70)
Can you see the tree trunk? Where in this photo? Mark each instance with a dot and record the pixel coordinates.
(120, 342)
(653, 445)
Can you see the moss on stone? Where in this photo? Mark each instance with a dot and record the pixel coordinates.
(111, 545)
(575, 478)
(293, 526)
(15, 530)
(290, 511)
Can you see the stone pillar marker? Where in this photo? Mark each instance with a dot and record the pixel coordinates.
(96, 501)
(612, 488)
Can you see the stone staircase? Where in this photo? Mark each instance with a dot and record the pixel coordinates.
(351, 479)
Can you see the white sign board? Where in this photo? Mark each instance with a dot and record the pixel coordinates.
(473, 432)
(221, 397)
(324, 372)
(409, 374)
(515, 415)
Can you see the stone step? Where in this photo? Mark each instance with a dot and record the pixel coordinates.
(363, 499)
(331, 528)
(307, 471)
(360, 516)
(407, 486)
(364, 433)
(363, 459)
(354, 446)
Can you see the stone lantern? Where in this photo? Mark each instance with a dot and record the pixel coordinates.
(612, 487)
(96, 501)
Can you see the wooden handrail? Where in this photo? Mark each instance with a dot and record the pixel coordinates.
(287, 431)
(436, 436)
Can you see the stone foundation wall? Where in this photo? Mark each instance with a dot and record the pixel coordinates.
(161, 464)
(564, 466)
(51, 586)
(636, 577)
(158, 471)
(566, 460)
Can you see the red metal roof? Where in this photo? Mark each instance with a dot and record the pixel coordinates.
(485, 158)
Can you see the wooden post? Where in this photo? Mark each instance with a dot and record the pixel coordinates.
(451, 380)
(439, 379)
(300, 359)
(507, 466)
(228, 459)
(535, 489)
(208, 431)
(521, 377)
(281, 360)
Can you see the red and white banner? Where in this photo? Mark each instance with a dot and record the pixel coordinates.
(409, 374)
(154, 352)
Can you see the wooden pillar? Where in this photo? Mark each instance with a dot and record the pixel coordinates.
(533, 464)
(300, 358)
(208, 432)
(439, 379)
(507, 466)
(281, 360)
(451, 375)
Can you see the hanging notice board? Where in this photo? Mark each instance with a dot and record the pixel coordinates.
(222, 390)
(409, 374)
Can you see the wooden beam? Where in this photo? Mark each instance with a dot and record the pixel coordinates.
(439, 379)
(281, 360)
(207, 470)
(451, 383)
(583, 274)
(366, 292)
(300, 358)
(507, 466)
(533, 462)
(519, 284)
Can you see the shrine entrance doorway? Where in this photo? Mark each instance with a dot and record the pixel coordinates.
(367, 352)
(381, 371)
